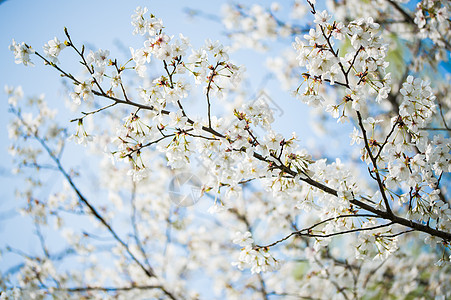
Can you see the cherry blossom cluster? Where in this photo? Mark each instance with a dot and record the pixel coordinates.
(253, 26)
(360, 69)
(432, 18)
(417, 108)
(259, 259)
(81, 136)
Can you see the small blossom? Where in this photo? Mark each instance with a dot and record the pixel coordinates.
(243, 239)
(82, 91)
(321, 18)
(21, 53)
(81, 137)
(53, 48)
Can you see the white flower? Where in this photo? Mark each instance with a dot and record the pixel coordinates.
(154, 25)
(177, 119)
(272, 141)
(138, 21)
(137, 174)
(243, 239)
(115, 79)
(216, 208)
(259, 260)
(164, 52)
(314, 37)
(321, 18)
(53, 48)
(82, 91)
(81, 137)
(355, 137)
(22, 53)
(14, 94)
(100, 57)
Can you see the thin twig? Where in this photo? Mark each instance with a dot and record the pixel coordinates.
(310, 228)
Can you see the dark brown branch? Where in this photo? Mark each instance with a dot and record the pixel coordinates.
(109, 289)
(396, 234)
(344, 232)
(386, 140)
(435, 129)
(406, 16)
(309, 229)
(210, 80)
(374, 162)
(85, 114)
(442, 116)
